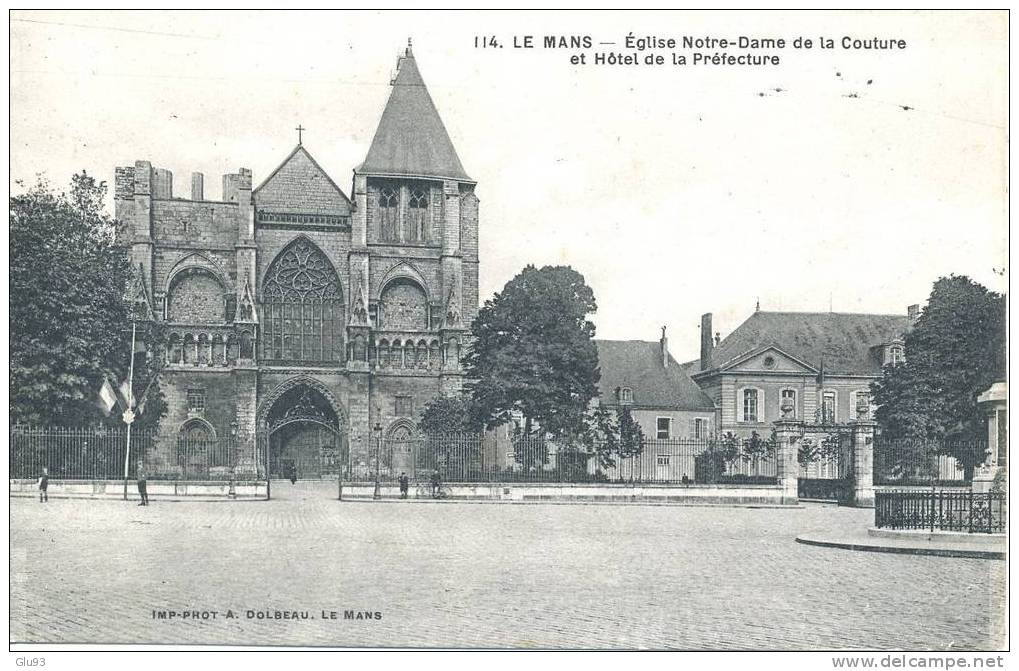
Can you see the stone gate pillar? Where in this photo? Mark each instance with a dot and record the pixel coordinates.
(994, 402)
(862, 429)
(788, 433)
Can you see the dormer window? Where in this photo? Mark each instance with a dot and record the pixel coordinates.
(389, 214)
(625, 395)
(896, 355)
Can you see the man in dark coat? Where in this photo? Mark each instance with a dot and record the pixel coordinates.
(143, 485)
(404, 485)
(44, 483)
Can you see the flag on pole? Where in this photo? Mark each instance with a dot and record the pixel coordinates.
(107, 397)
(126, 395)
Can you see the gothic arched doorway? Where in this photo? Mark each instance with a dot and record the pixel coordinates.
(304, 437)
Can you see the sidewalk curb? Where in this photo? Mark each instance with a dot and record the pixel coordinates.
(896, 549)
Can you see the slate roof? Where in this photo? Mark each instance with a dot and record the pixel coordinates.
(299, 184)
(411, 139)
(637, 364)
(844, 341)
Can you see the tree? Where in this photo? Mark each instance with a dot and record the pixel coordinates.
(953, 353)
(631, 436)
(533, 352)
(70, 323)
(448, 414)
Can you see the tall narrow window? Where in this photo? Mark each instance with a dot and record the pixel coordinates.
(664, 428)
(750, 402)
(389, 214)
(417, 216)
(828, 415)
(788, 398)
(302, 307)
(700, 428)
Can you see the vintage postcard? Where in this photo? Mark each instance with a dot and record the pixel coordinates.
(622, 330)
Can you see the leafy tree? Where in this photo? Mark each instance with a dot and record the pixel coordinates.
(953, 353)
(448, 414)
(533, 352)
(70, 323)
(600, 436)
(631, 436)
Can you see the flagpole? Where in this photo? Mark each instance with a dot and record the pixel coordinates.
(128, 414)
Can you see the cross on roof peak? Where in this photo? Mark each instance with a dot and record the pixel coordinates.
(300, 129)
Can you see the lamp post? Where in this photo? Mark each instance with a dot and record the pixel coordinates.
(377, 430)
(233, 457)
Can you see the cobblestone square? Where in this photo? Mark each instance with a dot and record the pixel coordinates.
(479, 575)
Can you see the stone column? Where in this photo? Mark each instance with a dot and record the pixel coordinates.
(788, 433)
(862, 429)
(994, 401)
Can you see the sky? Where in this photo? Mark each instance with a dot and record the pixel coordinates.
(844, 180)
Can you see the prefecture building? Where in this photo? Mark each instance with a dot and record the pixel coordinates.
(823, 363)
(300, 314)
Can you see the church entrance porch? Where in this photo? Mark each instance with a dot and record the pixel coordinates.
(302, 437)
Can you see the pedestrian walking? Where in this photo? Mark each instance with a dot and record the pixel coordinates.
(44, 483)
(404, 485)
(143, 486)
(436, 484)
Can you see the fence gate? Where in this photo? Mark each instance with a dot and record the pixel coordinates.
(825, 456)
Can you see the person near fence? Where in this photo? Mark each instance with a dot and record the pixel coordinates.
(143, 485)
(404, 485)
(436, 484)
(44, 483)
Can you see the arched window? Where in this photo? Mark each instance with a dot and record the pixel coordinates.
(389, 213)
(417, 215)
(302, 307)
(625, 395)
(196, 297)
(403, 306)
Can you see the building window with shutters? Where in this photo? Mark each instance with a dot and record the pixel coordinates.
(664, 428)
(788, 396)
(854, 401)
(829, 403)
(700, 428)
(750, 403)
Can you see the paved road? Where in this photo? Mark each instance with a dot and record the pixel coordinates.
(480, 575)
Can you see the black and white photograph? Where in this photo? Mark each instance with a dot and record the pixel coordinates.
(509, 330)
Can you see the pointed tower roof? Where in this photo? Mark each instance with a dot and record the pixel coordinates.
(411, 140)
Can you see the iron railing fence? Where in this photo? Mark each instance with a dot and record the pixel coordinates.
(941, 511)
(483, 458)
(99, 454)
(916, 462)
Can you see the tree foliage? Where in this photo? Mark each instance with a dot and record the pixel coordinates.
(955, 351)
(448, 414)
(70, 324)
(533, 352)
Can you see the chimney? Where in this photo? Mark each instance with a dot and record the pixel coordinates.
(197, 186)
(664, 342)
(914, 313)
(706, 344)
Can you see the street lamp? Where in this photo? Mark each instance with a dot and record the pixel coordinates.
(233, 457)
(377, 430)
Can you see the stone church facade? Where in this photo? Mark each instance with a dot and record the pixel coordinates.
(299, 316)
